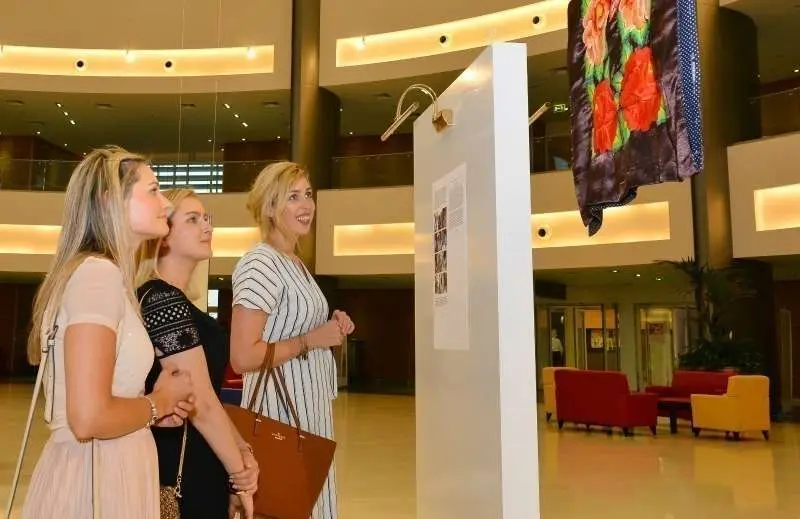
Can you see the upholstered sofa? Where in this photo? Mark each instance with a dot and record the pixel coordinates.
(602, 398)
(688, 383)
(743, 408)
(549, 391)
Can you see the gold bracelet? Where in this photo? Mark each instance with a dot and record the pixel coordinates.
(153, 411)
(303, 347)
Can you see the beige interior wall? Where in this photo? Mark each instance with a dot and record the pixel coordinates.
(764, 164)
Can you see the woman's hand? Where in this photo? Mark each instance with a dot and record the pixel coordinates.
(241, 506)
(247, 480)
(345, 323)
(172, 420)
(173, 393)
(325, 336)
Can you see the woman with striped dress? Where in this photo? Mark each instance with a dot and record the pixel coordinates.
(276, 300)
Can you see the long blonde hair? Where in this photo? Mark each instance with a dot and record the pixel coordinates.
(150, 251)
(95, 223)
(267, 198)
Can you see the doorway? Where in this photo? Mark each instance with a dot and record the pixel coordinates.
(579, 336)
(663, 335)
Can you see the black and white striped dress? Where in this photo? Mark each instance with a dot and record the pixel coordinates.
(267, 280)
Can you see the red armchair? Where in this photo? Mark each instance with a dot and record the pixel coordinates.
(688, 383)
(603, 398)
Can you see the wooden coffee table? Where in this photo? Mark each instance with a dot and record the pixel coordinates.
(673, 406)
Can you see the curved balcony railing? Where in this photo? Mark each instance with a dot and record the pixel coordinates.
(53, 175)
(777, 113)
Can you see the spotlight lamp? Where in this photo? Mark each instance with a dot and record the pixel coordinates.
(441, 118)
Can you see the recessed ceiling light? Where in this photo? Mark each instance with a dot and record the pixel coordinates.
(58, 105)
(103, 106)
(615, 271)
(66, 114)
(227, 105)
(638, 275)
(658, 279)
(244, 124)
(38, 132)
(221, 278)
(65, 145)
(341, 109)
(797, 71)
(271, 104)
(209, 140)
(351, 133)
(72, 122)
(244, 139)
(236, 115)
(279, 137)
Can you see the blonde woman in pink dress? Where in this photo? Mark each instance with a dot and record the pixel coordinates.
(94, 385)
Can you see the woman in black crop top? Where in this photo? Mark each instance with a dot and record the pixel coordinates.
(219, 472)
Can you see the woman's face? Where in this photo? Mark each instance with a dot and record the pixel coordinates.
(191, 231)
(298, 214)
(147, 207)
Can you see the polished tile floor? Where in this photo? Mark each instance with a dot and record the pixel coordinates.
(582, 475)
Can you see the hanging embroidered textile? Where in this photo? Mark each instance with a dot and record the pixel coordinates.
(634, 69)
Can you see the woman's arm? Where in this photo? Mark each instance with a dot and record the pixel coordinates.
(92, 411)
(210, 417)
(248, 349)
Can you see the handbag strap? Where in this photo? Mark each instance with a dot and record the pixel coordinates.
(283, 395)
(179, 480)
(47, 354)
(37, 388)
(266, 367)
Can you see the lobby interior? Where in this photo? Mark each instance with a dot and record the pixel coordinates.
(213, 91)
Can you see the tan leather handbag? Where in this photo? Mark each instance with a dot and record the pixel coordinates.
(293, 463)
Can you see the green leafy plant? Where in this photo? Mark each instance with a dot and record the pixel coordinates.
(716, 347)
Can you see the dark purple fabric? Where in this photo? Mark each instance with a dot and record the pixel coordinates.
(638, 157)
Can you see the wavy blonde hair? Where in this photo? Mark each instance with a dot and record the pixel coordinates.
(95, 223)
(267, 198)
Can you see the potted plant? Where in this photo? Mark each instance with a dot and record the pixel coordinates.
(716, 348)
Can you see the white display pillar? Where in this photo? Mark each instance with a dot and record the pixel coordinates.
(475, 356)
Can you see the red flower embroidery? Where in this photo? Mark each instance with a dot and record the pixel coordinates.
(641, 98)
(604, 118)
(594, 30)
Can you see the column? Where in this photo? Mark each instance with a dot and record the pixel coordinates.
(729, 63)
(315, 111)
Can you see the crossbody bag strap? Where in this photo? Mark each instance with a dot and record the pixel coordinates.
(179, 480)
(37, 387)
